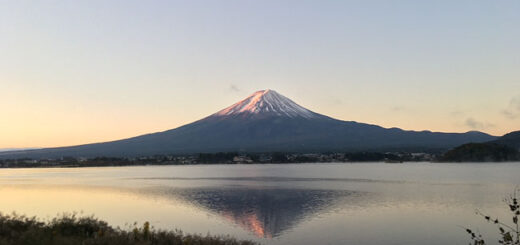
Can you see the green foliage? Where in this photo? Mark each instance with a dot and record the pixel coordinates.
(70, 229)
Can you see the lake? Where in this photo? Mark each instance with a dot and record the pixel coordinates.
(336, 203)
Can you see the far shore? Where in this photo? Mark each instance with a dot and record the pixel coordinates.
(219, 158)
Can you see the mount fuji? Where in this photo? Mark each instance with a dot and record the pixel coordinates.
(266, 121)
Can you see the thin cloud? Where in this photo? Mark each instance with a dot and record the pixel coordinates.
(403, 110)
(513, 109)
(337, 102)
(397, 108)
(234, 88)
(456, 113)
(475, 124)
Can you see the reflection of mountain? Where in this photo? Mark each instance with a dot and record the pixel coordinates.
(265, 212)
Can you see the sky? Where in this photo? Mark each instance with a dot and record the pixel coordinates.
(75, 72)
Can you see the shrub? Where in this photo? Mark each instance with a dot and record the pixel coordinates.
(509, 232)
(71, 229)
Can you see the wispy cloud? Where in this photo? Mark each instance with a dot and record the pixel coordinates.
(234, 88)
(397, 108)
(456, 113)
(403, 109)
(513, 109)
(336, 101)
(476, 124)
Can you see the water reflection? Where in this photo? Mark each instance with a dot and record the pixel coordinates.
(361, 204)
(265, 212)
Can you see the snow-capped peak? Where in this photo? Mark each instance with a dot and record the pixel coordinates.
(267, 102)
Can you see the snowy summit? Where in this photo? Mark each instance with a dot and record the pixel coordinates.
(267, 102)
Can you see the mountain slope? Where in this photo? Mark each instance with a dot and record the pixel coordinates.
(481, 152)
(266, 103)
(505, 148)
(511, 139)
(266, 121)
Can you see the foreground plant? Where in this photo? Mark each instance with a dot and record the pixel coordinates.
(509, 232)
(71, 229)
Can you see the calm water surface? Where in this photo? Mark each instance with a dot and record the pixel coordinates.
(361, 203)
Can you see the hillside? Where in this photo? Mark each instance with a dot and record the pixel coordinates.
(511, 139)
(505, 148)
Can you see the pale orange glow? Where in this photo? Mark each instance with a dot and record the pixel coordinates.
(256, 226)
(67, 80)
(248, 222)
(112, 204)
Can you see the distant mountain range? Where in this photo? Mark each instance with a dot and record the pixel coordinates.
(266, 121)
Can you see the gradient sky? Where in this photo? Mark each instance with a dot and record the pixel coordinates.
(74, 72)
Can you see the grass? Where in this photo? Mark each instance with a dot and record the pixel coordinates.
(72, 229)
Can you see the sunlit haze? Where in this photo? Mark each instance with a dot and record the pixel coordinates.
(75, 72)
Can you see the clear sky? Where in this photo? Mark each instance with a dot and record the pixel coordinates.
(74, 72)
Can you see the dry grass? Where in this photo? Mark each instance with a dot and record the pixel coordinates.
(71, 229)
